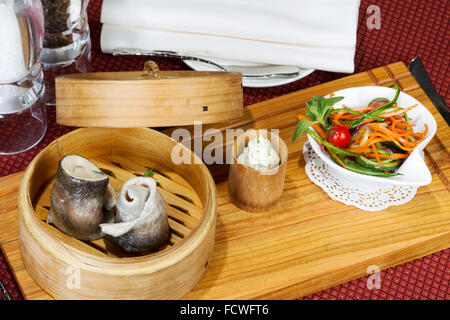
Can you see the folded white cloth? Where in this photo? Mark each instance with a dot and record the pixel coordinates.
(319, 34)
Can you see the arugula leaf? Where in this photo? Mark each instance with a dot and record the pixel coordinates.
(313, 107)
(301, 127)
(328, 103)
(319, 108)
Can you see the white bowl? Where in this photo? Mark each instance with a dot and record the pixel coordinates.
(414, 171)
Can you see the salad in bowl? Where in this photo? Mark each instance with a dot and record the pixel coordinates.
(370, 134)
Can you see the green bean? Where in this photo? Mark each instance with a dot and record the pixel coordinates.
(377, 110)
(355, 168)
(387, 105)
(406, 119)
(345, 109)
(358, 113)
(392, 109)
(387, 166)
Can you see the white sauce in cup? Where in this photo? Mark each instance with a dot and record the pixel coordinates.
(259, 155)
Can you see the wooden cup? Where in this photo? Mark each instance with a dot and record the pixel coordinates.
(254, 190)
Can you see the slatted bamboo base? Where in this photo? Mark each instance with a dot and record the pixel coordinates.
(184, 207)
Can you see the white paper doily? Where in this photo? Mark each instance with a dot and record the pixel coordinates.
(367, 197)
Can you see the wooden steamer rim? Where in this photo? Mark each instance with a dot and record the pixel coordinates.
(149, 98)
(47, 255)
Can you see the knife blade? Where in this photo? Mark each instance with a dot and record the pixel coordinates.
(4, 292)
(417, 69)
(247, 72)
(266, 71)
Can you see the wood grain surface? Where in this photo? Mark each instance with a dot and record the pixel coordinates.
(132, 99)
(308, 242)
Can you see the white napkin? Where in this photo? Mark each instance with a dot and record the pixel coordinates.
(319, 34)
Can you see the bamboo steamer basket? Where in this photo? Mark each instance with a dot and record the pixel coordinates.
(71, 269)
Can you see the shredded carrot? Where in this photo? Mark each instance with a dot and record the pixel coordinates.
(366, 109)
(384, 130)
(336, 157)
(370, 140)
(319, 130)
(359, 150)
(403, 123)
(425, 132)
(351, 117)
(338, 115)
(377, 156)
(393, 120)
(403, 147)
(382, 135)
(360, 135)
(394, 140)
(384, 156)
(303, 117)
(359, 138)
(399, 112)
(315, 126)
(406, 132)
(374, 141)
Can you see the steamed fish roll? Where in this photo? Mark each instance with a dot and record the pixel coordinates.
(141, 219)
(110, 199)
(77, 198)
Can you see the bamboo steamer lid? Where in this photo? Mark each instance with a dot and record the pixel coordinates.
(149, 98)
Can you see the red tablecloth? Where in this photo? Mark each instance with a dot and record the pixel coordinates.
(408, 28)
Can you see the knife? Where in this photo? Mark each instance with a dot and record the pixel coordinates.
(266, 71)
(418, 71)
(247, 72)
(4, 291)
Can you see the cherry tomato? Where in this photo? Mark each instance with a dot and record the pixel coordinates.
(339, 136)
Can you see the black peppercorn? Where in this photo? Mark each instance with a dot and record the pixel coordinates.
(57, 20)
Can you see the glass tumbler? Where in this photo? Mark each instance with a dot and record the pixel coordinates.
(23, 119)
(67, 42)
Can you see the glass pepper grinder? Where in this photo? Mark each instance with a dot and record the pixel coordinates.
(23, 118)
(67, 43)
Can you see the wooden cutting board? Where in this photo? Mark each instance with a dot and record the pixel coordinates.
(308, 242)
